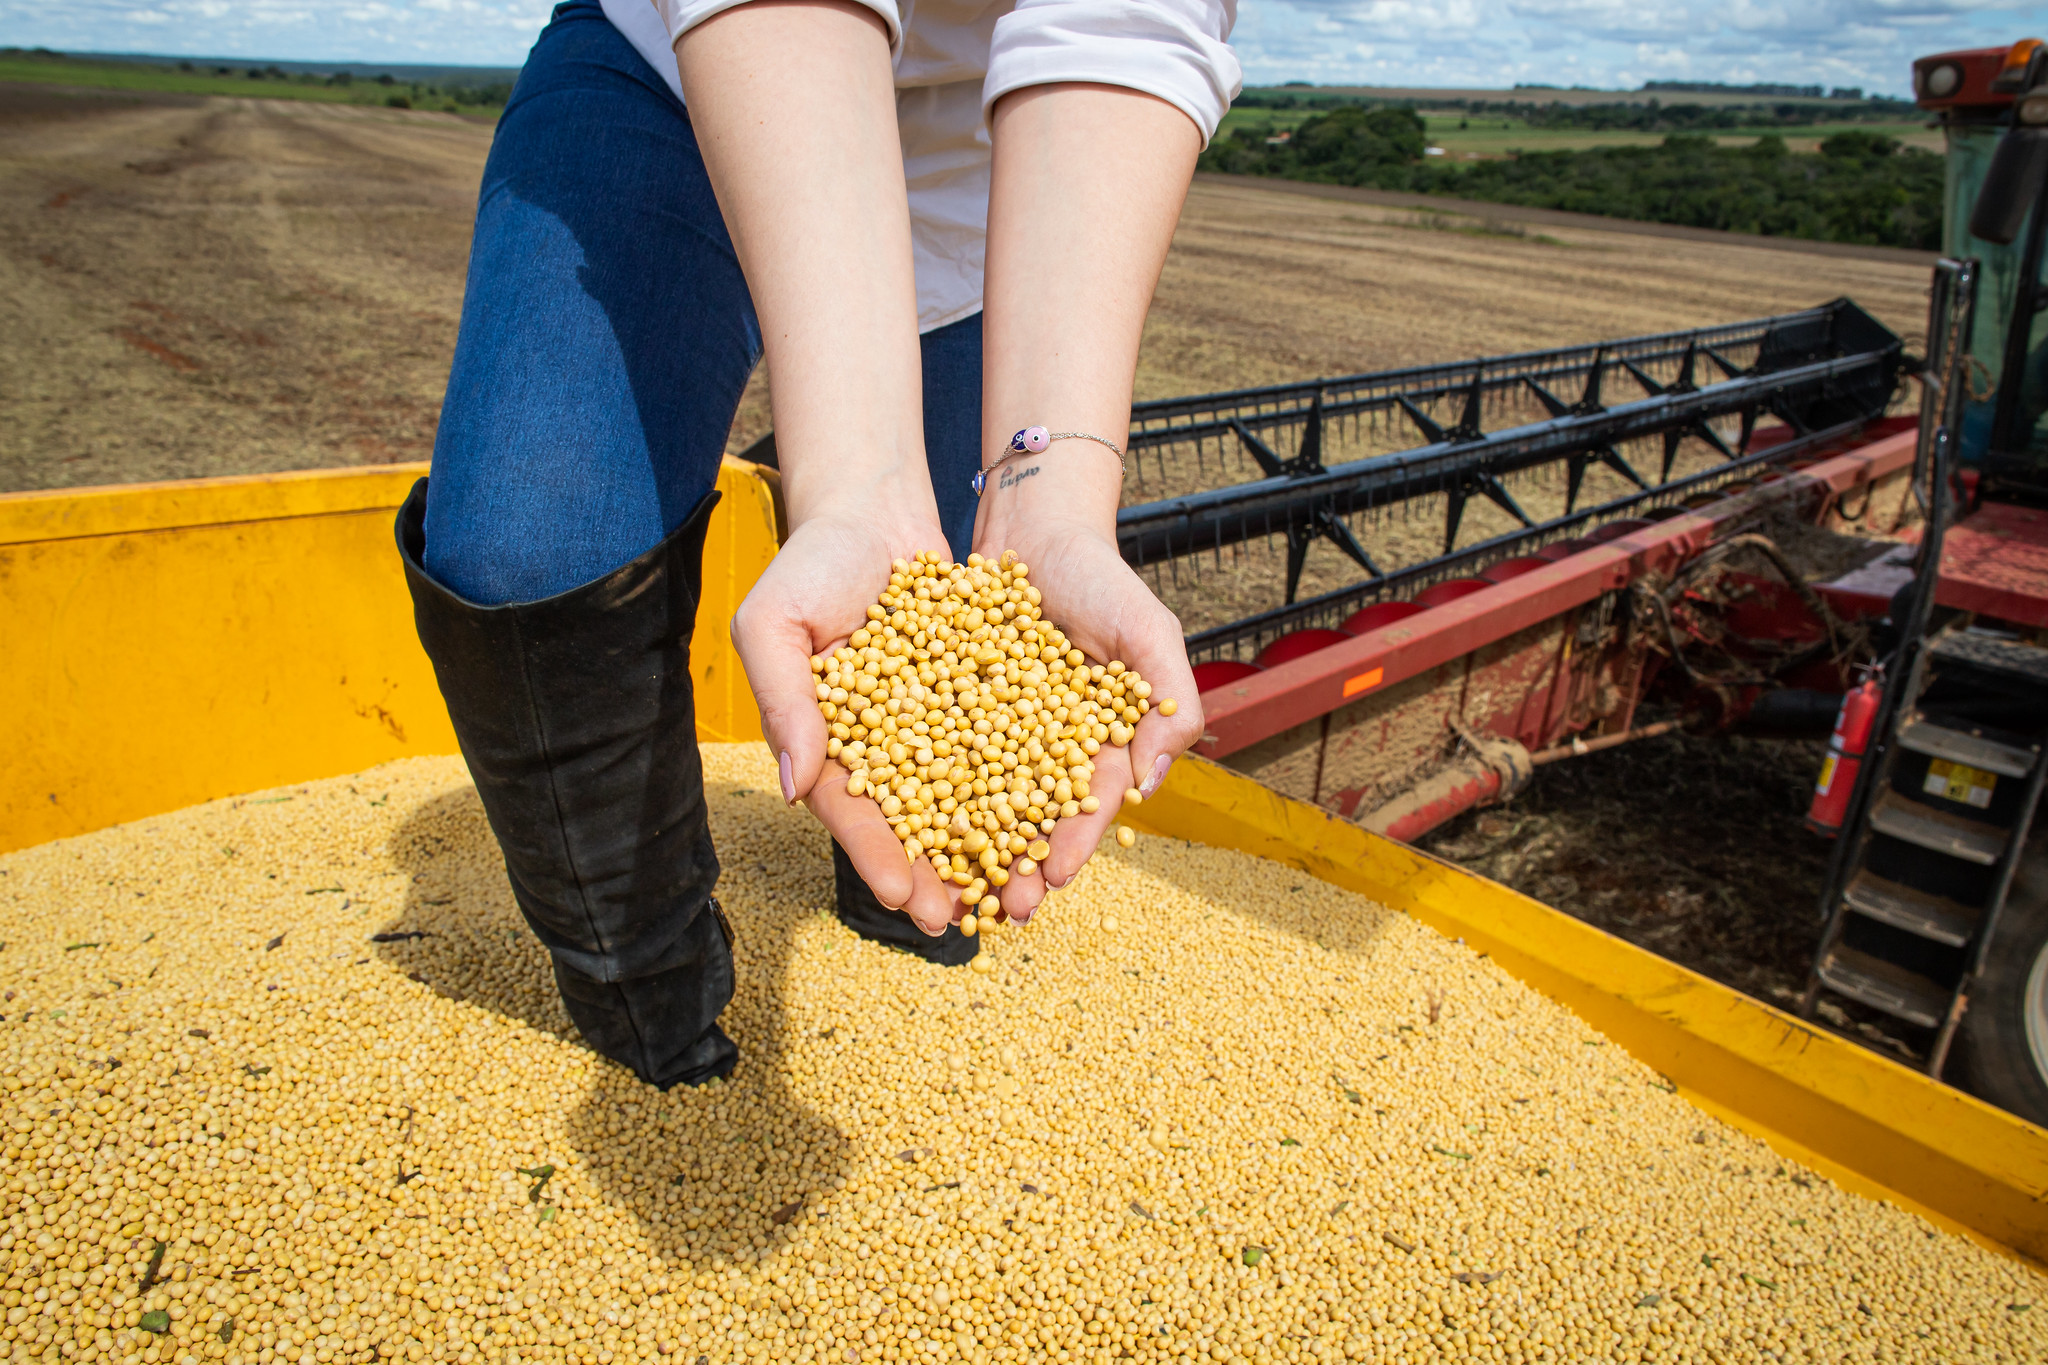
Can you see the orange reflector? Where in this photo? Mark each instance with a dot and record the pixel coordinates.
(1364, 682)
(2014, 69)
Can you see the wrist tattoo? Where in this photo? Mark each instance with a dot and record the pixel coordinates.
(1032, 441)
(1012, 477)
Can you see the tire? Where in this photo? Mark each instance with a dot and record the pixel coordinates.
(2004, 1037)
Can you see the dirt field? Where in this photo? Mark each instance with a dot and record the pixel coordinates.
(196, 287)
(212, 286)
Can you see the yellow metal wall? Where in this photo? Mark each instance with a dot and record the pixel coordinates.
(165, 644)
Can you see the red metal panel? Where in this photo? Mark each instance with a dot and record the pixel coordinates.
(1380, 614)
(1247, 711)
(1515, 568)
(1221, 672)
(1450, 590)
(1995, 562)
(1296, 644)
(1868, 591)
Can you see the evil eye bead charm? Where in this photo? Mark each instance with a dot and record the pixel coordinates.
(980, 481)
(1035, 439)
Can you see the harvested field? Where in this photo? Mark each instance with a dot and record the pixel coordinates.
(1205, 1108)
(200, 287)
(197, 287)
(1265, 286)
(217, 286)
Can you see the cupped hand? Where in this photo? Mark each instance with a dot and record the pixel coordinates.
(1106, 610)
(815, 593)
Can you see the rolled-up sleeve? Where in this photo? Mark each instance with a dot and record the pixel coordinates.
(683, 15)
(1174, 49)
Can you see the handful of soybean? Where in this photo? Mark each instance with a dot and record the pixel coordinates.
(973, 722)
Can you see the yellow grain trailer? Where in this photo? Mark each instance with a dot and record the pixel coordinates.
(172, 643)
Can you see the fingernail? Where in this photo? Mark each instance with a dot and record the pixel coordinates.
(1061, 884)
(788, 780)
(1157, 775)
(928, 931)
(1023, 916)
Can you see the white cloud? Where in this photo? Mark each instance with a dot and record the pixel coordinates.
(455, 32)
(1615, 43)
(1472, 43)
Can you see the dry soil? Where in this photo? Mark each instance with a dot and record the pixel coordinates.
(217, 286)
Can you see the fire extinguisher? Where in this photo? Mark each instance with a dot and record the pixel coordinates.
(1845, 757)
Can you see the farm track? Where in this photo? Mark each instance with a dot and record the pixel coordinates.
(194, 287)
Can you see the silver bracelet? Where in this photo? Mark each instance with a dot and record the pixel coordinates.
(1034, 440)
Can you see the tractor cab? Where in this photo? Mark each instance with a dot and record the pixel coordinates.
(1993, 107)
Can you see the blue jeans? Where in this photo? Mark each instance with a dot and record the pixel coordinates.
(607, 334)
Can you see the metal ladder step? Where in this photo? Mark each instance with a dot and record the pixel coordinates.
(1960, 746)
(1931, 917)
(1971, 840)
(2011, 658)
(1883, 986)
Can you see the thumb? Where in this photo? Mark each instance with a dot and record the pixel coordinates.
(777, 659)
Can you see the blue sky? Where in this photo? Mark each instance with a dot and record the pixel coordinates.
(1485, 43)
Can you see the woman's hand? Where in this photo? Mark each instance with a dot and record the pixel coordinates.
(1108, 612)
(814, 595)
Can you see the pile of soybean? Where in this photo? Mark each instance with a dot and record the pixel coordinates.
(285, 1079)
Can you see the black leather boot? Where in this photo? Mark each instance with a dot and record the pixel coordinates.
(861, 911)
(576, 717)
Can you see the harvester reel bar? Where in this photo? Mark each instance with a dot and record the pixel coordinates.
(1729, 369)
(1214, 518)
(1589, 401)
(1650, 386)
(1242, 639)
(1460, 492)
(1366, 400)
(1556, 406)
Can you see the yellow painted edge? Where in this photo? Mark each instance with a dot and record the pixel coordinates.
(745, 535)
(120, 509)
(42, 533)
(174, 504)
(1840, 1107)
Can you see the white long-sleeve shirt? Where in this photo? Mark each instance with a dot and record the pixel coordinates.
(955, 58)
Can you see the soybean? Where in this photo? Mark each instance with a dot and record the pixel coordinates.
(1210, 1109)
(971, 720)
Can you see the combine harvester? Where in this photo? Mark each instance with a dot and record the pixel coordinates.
(173, 643)
(1417, 693)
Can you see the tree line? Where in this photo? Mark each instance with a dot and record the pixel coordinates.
(485, 94)
(1860, 187)
(1649, 115)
